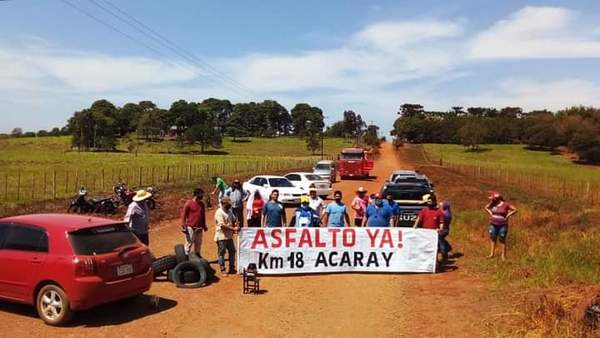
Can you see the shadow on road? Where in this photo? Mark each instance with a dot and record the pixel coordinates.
(121, 312)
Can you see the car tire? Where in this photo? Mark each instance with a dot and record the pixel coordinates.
(52, 305)
(209, 270)
(181, 268)
(180, 253)
(190, 276)
(163, 264)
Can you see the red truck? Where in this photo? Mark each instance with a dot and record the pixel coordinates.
(353, 162)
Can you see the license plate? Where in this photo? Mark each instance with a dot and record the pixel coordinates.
(124, 269)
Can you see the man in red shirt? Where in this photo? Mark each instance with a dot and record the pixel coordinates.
(193, 222)
(431, 217)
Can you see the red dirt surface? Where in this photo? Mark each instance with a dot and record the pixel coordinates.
(449, 304)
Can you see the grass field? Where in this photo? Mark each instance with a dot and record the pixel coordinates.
(41, 168)
(515, 157)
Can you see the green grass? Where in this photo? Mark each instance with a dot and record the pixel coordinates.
(515, 157)
(35, 161)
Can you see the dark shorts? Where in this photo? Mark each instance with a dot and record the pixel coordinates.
(498, 231)
(358, 222)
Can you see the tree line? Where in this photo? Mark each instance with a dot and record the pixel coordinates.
(205, 123)
(577, 128)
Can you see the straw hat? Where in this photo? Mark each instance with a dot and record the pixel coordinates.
(304, 199)
(141, 195)
(427, 198)
(361, 189)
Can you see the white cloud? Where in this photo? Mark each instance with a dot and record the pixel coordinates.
(32, 67)
(379, 55)
(534, 94)
(537, 32)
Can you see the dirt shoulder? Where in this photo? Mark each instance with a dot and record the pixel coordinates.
(449, 304)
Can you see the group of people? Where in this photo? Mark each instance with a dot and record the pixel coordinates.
(237, 205)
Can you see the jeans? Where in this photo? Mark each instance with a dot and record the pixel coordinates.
(222, 246)
(443, 245)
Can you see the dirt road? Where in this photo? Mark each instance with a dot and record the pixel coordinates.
(449, 304)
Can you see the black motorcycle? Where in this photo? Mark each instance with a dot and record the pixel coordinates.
(101, 205)
(125, 195)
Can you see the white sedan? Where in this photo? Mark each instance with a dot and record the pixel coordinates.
(308, 181)
(265, 184)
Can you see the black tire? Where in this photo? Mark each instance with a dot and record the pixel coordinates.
(190, 276)
(209, 270)
(170, 276)
(55, 315)
(163, 264)
(180, 253)
(187, 266)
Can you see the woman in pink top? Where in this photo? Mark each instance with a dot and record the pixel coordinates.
(359, 205)
(500, 211)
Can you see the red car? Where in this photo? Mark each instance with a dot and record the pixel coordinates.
(66, 263)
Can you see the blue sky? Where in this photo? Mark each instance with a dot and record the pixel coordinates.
(368, 56)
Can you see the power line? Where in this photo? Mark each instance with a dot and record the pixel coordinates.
(166, 43)
(95, 18)
(174, 45)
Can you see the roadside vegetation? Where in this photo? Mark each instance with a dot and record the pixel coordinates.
(553, 264)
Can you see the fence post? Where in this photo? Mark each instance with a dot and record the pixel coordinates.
(140, 178)
(19, 185)
(33, 187)
(45, 181)
(6, 187)
(54, 185)
(189, 177)
(207, 170)
(102, 182)
(66, 182)
(168, 173)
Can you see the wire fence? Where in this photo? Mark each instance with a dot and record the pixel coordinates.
(24, 187)
(545, 185)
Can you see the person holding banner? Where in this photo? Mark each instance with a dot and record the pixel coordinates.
(359, 205)
(378, 214)
(389, 201)
(336, 213)
(304, 215)
(317, 205)
(273, 211)
(226, 226)
(431, 217)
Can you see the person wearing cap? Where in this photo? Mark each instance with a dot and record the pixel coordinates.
(137, 216)
(317, 205)
(359, 205)
(193, 222)
(378, 214)
(335, 213)
(431, 217)
(226, 226)
(237, 197)
(304, 215)
(273, 211)
(500, 211)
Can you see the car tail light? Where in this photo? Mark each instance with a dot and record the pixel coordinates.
(84, 266)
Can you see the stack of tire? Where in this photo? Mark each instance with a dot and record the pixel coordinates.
(186, 271)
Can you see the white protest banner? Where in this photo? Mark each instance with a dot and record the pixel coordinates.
(324, 250)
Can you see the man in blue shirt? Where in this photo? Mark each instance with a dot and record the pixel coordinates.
(274, 211)
(336, 212)
(378, 214)
(389, 201)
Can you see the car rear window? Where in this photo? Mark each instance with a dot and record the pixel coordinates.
(280, 183)
(399, 194)
(101, 240)
(323, 167)
(314, 178)
(352, 156)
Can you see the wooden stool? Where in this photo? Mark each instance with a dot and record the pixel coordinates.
(251, 280)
